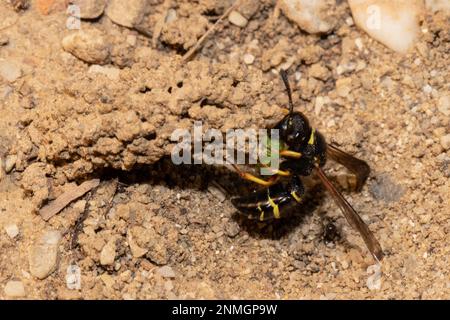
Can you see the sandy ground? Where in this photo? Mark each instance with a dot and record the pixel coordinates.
(154, 230)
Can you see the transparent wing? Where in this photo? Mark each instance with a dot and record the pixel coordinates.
(352, 217)
(358, 167)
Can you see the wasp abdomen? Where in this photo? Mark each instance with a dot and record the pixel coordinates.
(272, 202)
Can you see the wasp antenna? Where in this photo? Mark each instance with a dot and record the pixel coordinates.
(284, 76)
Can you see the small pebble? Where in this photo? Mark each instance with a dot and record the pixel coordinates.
(136, 251)
(73, 277)
(127, 13)
(249, 58)
(445, 142)
(131, 40)
(88, 45)
(108, 280)
(343, 87)
(359, 44)
(166, 272)
(14, 289)
(9, 71)
(320, 72)
(110, 72)
(349, 21)
(216, 192)
(374, 280)
(237, 19)
(171, 15)
(10, 162)
(232, 229)
(444, 105)
(90, 9)
(44, 255)
(312, 16)
(108, 253)
(12, 230)
(427, 89)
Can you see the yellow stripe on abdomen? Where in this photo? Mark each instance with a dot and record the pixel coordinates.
(276, 210)
(296, 197)
(311, 138)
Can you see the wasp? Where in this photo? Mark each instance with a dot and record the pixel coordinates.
(303, 150)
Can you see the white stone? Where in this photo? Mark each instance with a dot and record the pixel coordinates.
(9, 70)
(313, 16)
(10, 162)
(374, 280)
(12, 230)
(171, 15)
(44, 255)
(128, 13)
(14, 289)
(111, 72)
(249, 58)
(136, 251)
(427, 89)
(237, 19)
(166, 272)
(438, 5)
(395, 23)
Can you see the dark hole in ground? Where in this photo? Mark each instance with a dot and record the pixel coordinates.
(200, 177)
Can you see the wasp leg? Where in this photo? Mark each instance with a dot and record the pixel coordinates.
(290, 154)
(283, 173)
(250, 177)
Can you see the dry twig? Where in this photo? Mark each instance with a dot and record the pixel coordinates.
(66, 198)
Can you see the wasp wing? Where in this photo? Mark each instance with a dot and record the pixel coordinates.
(358, 167)
(352, 217)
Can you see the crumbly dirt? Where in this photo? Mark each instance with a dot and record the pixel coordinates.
(158, 231)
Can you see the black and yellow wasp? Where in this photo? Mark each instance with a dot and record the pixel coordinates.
(302, 151)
